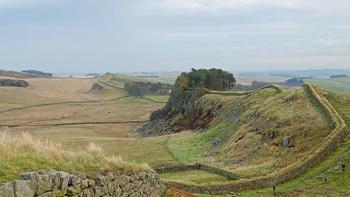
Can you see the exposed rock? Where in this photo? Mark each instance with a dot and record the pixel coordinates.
(23, 188)
(286, 141)
(6, 190)
(271, 135)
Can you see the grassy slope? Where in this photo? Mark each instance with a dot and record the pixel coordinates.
(312, 183)
(336, 84)
(235, 134)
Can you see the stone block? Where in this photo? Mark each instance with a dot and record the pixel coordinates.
(6, 190)
(23, 188)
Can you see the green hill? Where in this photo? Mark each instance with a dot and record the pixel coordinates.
(263, 135)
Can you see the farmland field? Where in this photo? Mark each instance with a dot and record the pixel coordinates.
(336, 84)
(60, 109)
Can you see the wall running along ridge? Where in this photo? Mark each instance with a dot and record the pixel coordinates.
(274, 87)
(197, 166)
(339, 131)
(58, 183)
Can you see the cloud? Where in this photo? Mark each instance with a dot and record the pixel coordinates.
(322, 7)
(208, 5)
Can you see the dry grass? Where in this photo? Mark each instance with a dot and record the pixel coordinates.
(287, 115)
(22, 152)
(120, 139)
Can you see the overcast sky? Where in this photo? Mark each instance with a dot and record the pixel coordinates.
(152, 35)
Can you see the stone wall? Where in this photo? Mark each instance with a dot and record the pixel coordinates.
(197, 166)
(58, 183)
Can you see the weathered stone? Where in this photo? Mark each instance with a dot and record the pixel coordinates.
(110, 187)
(64, 180)
(74, 180)
(110, 176)
(101, 180)
(118, 191)
(91, 183)
(29, 176)
(104, 189)
(71, 191)
(286, 141)
(6, 190)
(97, 192)
(23, 188)
(54, 193)
(44, 183)
(84, 184)
(85, 192)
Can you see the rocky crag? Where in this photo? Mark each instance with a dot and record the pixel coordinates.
(184, 109)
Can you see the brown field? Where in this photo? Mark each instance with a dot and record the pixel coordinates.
(50, 101)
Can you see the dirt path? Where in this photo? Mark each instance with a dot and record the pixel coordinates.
(75, 123)
(60, 103)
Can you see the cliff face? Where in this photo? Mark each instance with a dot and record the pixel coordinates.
(187, 107)
(194, 114)
(58, 183)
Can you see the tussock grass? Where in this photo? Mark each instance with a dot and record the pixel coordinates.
(20, 153)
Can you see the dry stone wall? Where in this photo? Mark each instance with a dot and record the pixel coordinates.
(58, 183)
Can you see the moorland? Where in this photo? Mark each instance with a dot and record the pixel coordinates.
(250, 134)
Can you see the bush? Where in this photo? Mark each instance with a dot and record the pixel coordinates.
(11, 82)
(138, 88)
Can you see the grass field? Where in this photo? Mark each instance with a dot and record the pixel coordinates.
(336, 84)
(195, 177)
(57, 100)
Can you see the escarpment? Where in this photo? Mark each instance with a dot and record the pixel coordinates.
(185, 108)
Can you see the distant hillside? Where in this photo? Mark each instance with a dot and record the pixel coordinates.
(15, 74)
(27, 74)
(135, 86)
(316, 73)
(37, 73)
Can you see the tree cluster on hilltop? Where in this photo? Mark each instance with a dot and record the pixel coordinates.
(192, 85)
(139, 88)
(213, 79)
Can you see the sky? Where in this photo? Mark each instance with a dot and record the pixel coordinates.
(173, 35)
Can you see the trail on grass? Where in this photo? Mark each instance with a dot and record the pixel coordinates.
(109, 85)
(60, 103)
(75, 123)
(152, 100)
